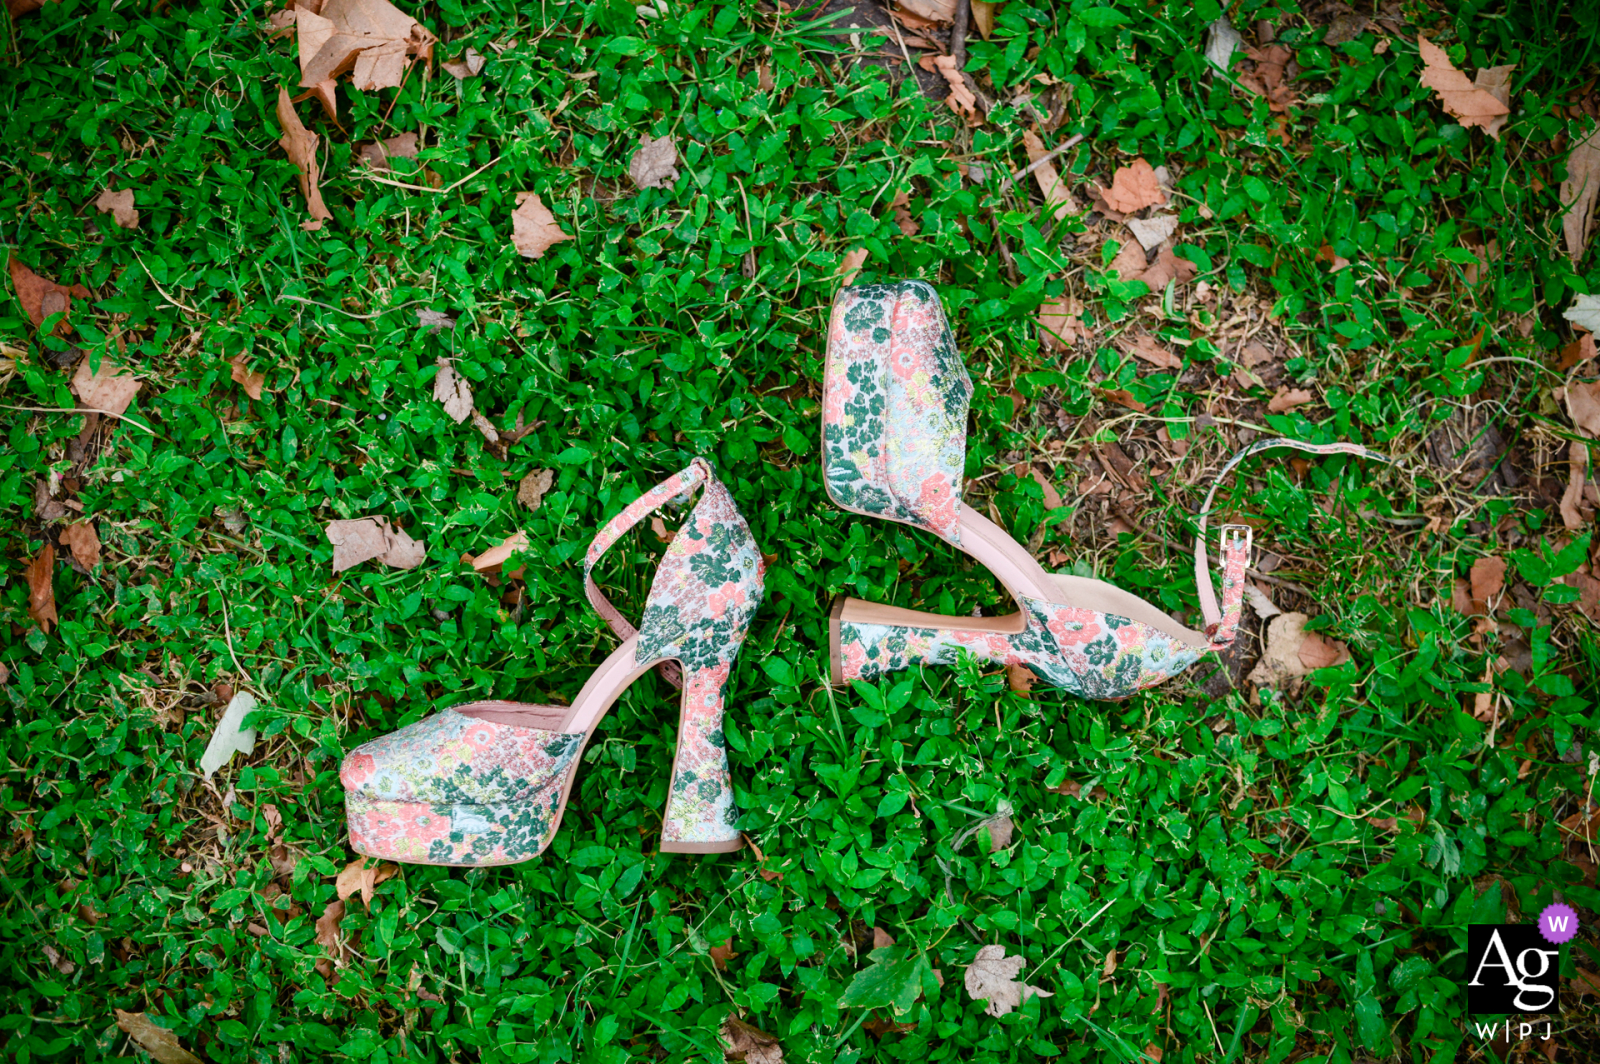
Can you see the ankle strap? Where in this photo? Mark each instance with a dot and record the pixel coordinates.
(676, 486)
(1222, 625)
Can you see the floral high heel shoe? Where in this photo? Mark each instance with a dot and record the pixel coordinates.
(894, 432)
(486, 783)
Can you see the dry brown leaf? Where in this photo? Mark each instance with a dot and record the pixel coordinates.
(109, 390)
(1288, 399)
(1496, 81)
(1335, 261)
(533, 228)
(983, 16)
(1129, 263)
(881, 938)
(1583, 406)
(1133, 188)
(330, 939)
(720, 955)
(41, 298)
(363, 538)
(531, 489)
(1488, 580)
(961, 99)
(1154, 231)
(41, 592)
(764, 80)
(18, 8)
(84, 543)
(1051, 186)
(1123, 397)
(901, 205)
(752, 1045)
(1319, 652)
(160, 1042)
(452, 389)
(1061, 322)
(360, 875)
(655, 163)
(300, 145)
(1588, 594)
(1147, 348)
(119, 204)
(1465, 102)
(376, 154)
(992, 978)
(851, 264)
(1586, 982)
(493, 559)
(250, 382)
(1282, 662)
(930, 11)
(999, 830)
(1578, 476)
(1578, 351)
(1052, 497)
(1166, 269)
(469, 65)
(1270, 78)
(1578, 193)
(372, 39)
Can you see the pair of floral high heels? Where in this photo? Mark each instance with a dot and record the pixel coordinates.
(486, 783)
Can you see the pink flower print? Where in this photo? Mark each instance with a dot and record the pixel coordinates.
(1073, 627)
(903, 361)
(729, 594)
(854, 657)
(936, 503)
(357, 769)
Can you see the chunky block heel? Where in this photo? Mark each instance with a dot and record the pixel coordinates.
(487, 783)
(894, 412)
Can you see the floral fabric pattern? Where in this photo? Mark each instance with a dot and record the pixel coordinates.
(455, 790)
(894, 413)
(1091, 654)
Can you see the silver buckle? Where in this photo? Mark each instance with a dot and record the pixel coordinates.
(1239, 533)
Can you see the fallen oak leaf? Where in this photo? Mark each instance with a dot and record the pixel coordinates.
(1579, 191)
(1167, 268)
(119, 204)
(300, 145)
(654, 163)
(84, 543)
(41, 591)
(452, 389)
(721, 955)
(1148, 349)
(372, 39)
(469, 65)
(531, 489)
(1133, 188)
(250, 382)
(1496, 81)
(992, 978)
(40, 297)
(376, 154)
(961, 99)
(363, 876)
(1061, 322)
(1129, 264)
(109, 389)
(160, 1042)
(365, 538)
(1488, 580)
(1319, 652)
(850, 265)
(1287, 399)
(1464, 101)
(1054, 190)
(752, 1045)
(534, 229)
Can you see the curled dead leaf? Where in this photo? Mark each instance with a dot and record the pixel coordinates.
(1466, 102)
(119, 204)
(961, 99)
(41, 591)
(851, 264)
(300, 145)
(364, 538)
(250, 382)
(992, 978)
(740, 1041)
(363, 875)
(468, 65)
(534, 229)
(452, 389)
(1054, 190)
(721, 955)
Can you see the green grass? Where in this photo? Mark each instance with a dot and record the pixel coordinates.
(1255, 910)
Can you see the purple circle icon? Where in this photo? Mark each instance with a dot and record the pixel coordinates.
(1558, 923)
